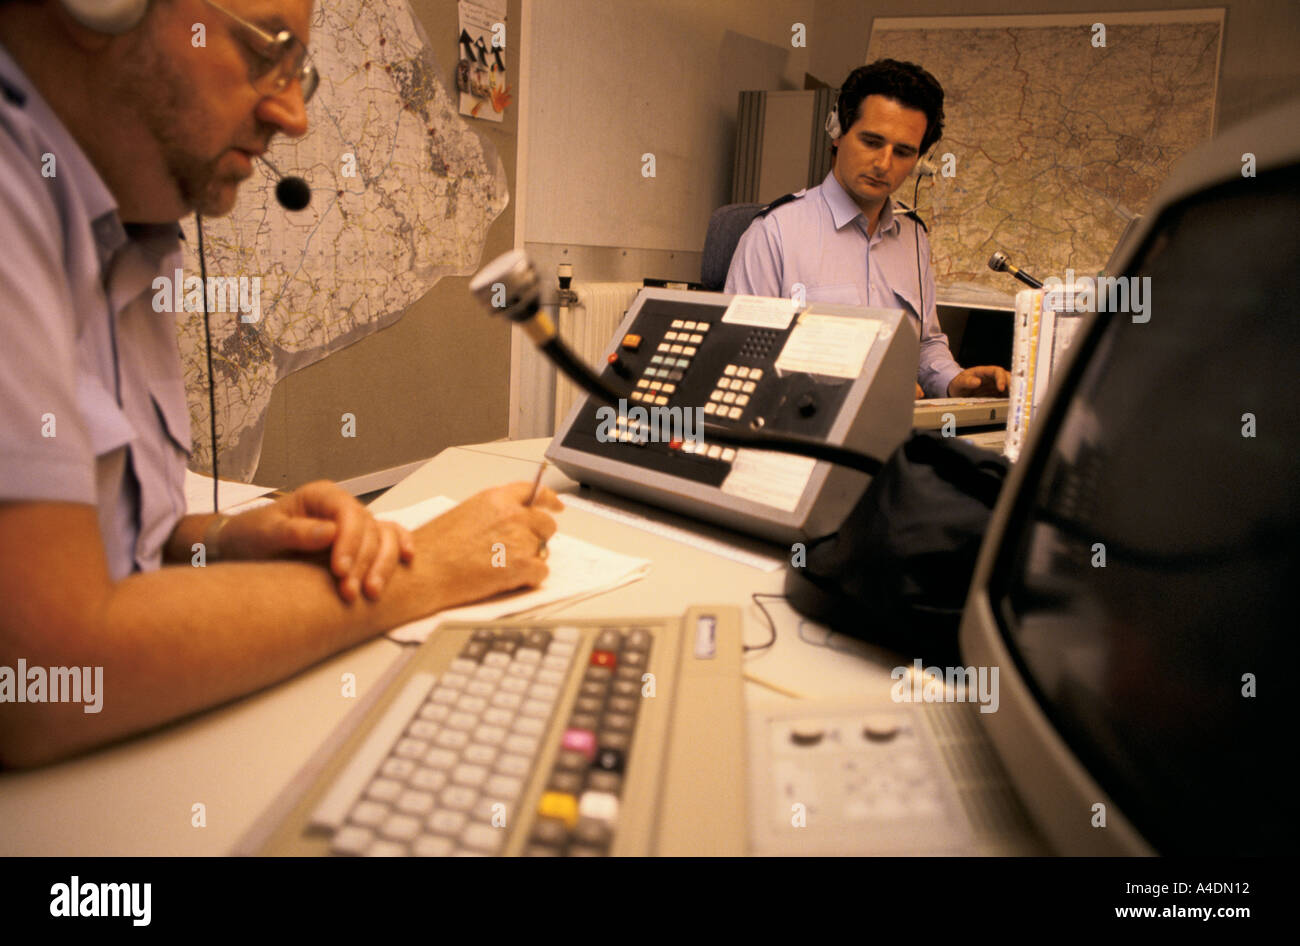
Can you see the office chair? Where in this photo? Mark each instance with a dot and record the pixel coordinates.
(725, 229)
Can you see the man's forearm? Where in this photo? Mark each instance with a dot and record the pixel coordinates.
(180, 639)
(180, 544)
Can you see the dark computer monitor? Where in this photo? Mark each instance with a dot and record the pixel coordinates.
(1135, 586)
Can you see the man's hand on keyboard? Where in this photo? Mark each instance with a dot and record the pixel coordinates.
(491, 543)
(364, 551)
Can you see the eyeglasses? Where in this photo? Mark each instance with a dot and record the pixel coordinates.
(281, 58)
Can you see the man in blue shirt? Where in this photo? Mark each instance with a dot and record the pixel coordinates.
(109, 134)
(842, 240)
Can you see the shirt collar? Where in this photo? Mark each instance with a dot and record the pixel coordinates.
(74, 168)
(844, 210)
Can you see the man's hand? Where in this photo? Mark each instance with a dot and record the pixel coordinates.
(919, 392)
(489, 544)
(980, 381)
(313, 518)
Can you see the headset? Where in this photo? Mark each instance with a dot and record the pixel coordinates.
(114, 17)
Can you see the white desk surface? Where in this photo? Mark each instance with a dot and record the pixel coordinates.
(138, 797)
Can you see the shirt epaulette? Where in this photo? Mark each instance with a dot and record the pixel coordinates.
(913, 214)
(781, 202)
(13, 94)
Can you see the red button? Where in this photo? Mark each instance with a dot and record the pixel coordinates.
(603, 658)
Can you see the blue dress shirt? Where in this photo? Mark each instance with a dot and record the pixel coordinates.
(820, 241)
(93, 398)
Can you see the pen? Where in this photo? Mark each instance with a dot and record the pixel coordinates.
(537, 484)
(542, 551)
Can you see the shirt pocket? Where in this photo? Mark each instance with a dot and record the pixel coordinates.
(168, 396)
(106, 424)
(838, 294)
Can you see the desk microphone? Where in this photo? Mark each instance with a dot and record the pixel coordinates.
(509, 286)
(292, 193)
(999, 264)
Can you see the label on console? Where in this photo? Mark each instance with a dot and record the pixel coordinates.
(760, 311)
(773, 479)
(830, 345)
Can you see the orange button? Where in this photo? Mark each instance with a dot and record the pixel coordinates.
(603, 658)
(631, 342)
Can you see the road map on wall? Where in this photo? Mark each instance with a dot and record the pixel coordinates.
(403, 193)
(1058, 130)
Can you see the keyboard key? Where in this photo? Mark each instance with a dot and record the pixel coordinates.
(352, 841)
(508, 701)
(428, 845)
(584, 721)
(601, 781)
(414, 802)
(528, 655)
(472, 776)
(599, 806)
(480, 688)
(556, 664)
(528, 726)
(383, 789)
(483, 837)
(495, 716)
(566, 634)
(445, 695)
(370, 814)
(592, 831)
(439, 758)
(447, 822)
(514, 684)
(628, 687)
(568, 782)
(458, 798)
(559, 805)
(461, 665)
(429, 780)
(539, 638)
(400, 828)
(538, 709)
(490, 735)
(479, 754)
(520, 745)
(471, 704)
(572, 760)
(602, 659)
(460, 720)
(455, 681)
(588, 704)
(613, 739)
(609, 759)
(410, 748)
(398, 769)
(496, 659)
(422, 729)
(489, 674)
(504, 786)
(624, 704)
(451, 739)
(618, 721)
(580, 740)
(435, 712)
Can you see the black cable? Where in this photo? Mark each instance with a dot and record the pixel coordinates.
(207, 337)
(770, 623)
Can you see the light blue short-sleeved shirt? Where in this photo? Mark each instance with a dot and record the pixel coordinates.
(820, 240)
(93, 398)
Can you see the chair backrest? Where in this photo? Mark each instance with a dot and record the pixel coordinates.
(725, 229)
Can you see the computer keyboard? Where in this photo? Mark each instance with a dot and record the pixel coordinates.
(544, 739)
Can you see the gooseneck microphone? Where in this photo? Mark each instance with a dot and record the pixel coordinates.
(292, 193)
(509, 286)
(999, 263)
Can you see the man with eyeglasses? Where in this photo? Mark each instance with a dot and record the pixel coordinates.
(113, 126)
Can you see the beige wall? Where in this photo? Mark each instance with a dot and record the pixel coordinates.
(439, 376)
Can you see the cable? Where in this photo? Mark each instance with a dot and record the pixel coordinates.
(207, 338)
(770, 623)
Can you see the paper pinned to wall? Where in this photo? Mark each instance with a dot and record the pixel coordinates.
(832, 345)
(481, 69)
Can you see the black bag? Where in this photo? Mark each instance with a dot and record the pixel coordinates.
(897, 571)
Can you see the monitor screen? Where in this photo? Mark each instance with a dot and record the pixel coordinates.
(1147, 568)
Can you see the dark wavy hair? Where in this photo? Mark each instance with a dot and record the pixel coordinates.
(904, 82)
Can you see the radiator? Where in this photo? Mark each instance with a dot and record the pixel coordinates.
(588, 328)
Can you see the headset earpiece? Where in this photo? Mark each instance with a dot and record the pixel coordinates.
(107, 16)
(833, 123)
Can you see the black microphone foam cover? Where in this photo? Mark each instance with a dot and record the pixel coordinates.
(293, 193)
